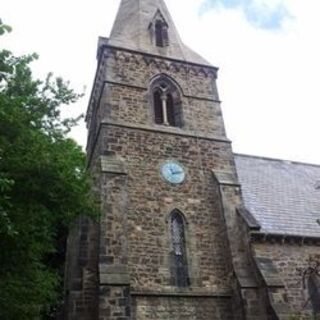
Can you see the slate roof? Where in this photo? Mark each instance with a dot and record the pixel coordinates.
(131, 31)
(283, 196)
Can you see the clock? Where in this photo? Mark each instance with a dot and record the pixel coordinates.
(173, 172)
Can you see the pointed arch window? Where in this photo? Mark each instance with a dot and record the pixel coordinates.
(311, 283)
(166, 102)
(314, 292)
(179, 268)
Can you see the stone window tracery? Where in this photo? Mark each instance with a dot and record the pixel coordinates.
(179, 255)
(166, 103)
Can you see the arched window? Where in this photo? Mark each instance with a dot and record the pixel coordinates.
(166, 102)
(179, 268)
(161, 34)
(314, 292)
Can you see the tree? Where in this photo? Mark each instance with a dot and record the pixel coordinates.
(43, 187)
(4, 28)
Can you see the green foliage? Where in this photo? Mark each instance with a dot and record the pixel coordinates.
(4, 28)
(43, 187)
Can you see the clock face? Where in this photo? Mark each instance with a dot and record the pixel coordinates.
(173, 172)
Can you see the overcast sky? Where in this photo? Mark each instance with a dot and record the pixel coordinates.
(267, 51)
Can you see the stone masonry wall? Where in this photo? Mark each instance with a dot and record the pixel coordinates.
(115, 303)
(287, 258)
(135, 239)
(81, 288)
(155, 308)
(151, 199)
(121, 92)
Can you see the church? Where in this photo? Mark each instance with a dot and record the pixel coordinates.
(188, 229)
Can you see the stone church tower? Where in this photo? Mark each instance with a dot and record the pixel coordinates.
(169, 243)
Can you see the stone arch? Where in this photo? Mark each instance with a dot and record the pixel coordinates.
(178, 249)
(165, 98)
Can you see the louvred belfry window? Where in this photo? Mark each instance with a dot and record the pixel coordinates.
(179, 257)
(161, 34)
(158, 29)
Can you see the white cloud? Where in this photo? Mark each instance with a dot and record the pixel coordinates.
(260, 13)
(268, 79)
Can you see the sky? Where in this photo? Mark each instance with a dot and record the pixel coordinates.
(267, 52)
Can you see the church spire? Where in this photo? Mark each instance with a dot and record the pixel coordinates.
(146, 26)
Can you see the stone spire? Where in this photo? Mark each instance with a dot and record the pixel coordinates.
(132, 29)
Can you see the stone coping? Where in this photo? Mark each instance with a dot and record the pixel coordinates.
(269, 272)
(226, 178)
(113, 164)
(249, 219)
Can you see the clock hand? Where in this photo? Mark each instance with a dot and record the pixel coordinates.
(176, 172)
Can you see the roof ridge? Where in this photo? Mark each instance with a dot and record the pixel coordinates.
(276, 159)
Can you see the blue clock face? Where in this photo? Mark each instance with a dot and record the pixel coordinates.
(173, 172)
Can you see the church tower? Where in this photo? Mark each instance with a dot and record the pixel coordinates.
(167, 244)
